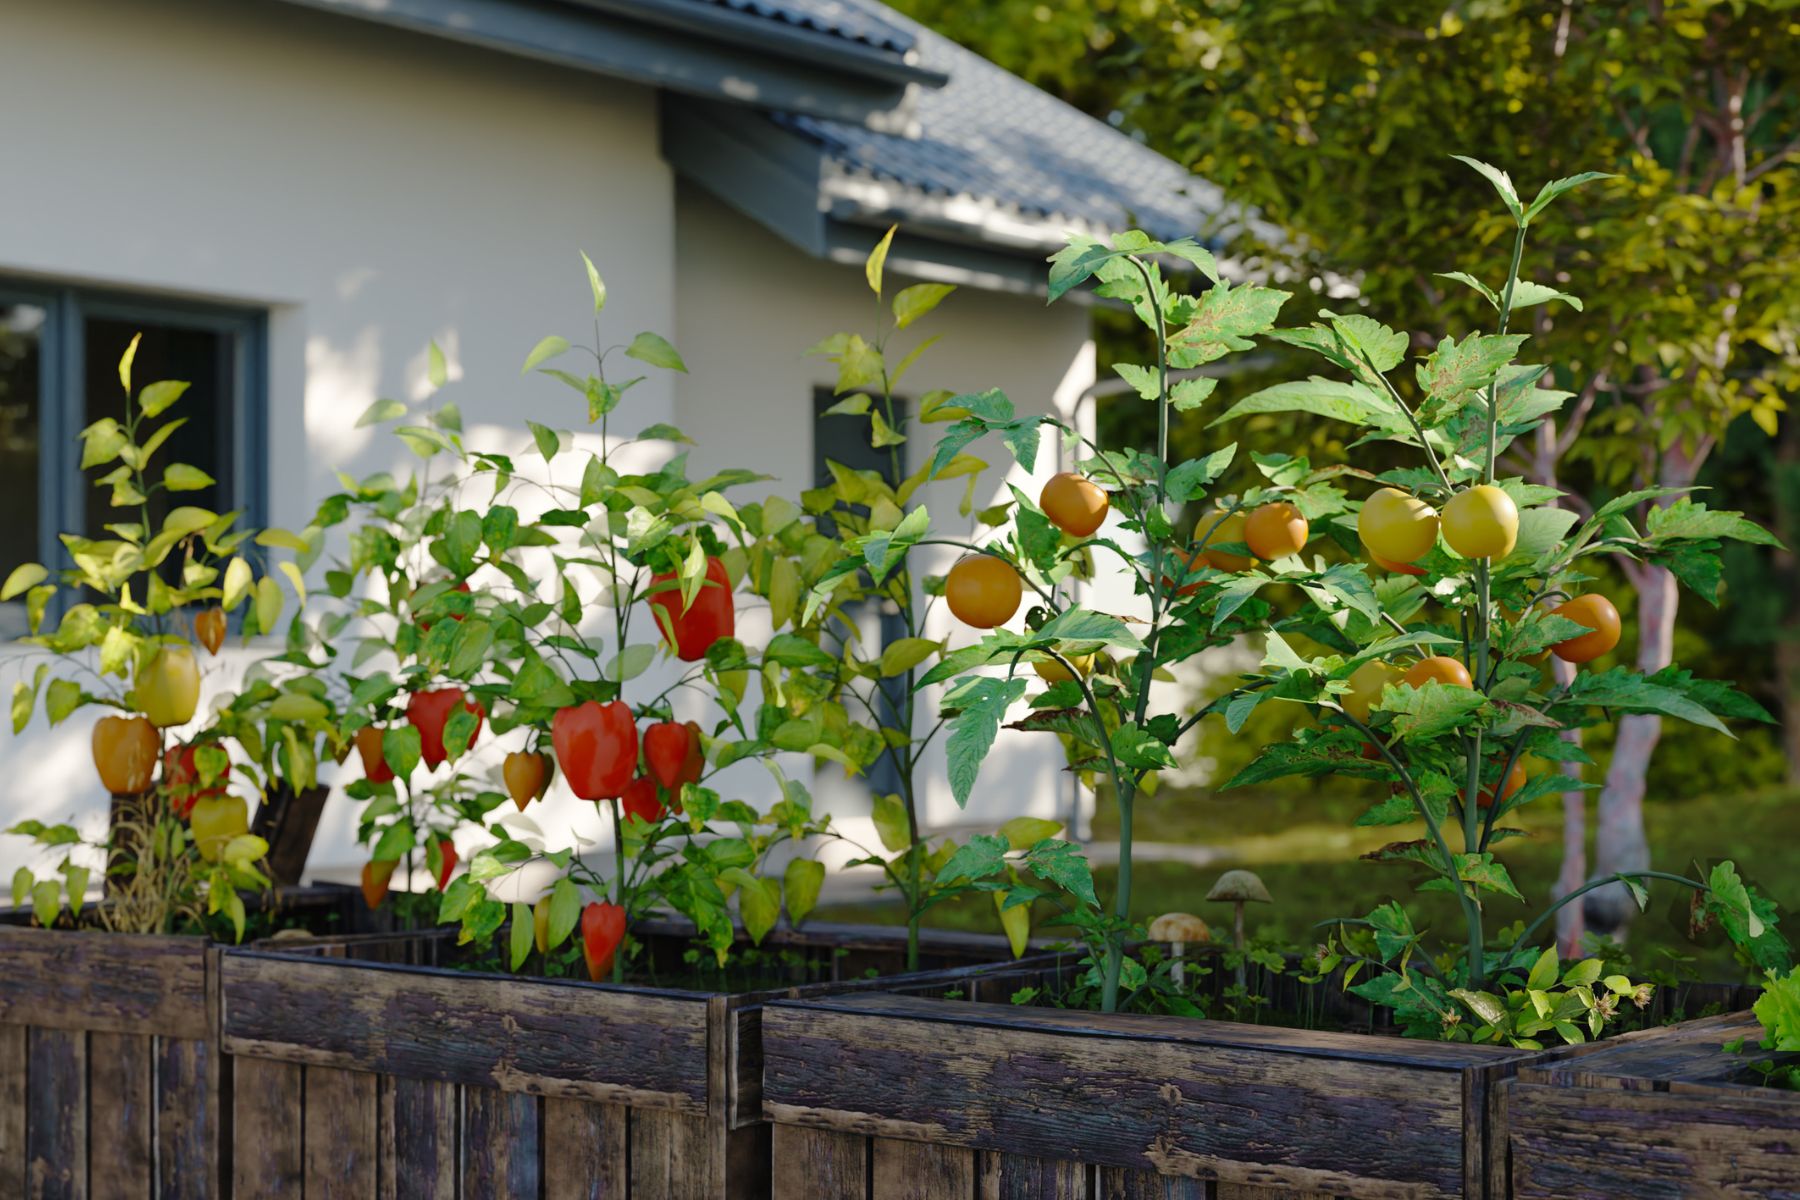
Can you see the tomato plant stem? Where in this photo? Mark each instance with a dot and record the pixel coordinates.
(618, 966)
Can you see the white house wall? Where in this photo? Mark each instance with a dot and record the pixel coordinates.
(747, 309)
(370, 189)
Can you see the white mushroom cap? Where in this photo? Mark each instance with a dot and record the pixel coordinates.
(1179, 927)
(1240, 886)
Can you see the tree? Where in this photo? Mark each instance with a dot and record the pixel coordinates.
(1337, 119)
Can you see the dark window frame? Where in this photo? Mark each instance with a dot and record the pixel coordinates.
(62, 395)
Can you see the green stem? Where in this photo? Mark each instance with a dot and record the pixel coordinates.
(1585, 888)
(618, 964)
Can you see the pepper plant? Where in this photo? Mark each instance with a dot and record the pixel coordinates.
(163, 577)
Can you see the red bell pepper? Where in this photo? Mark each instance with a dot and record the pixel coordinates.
(668, 747)
(640, 800)
(602, 929)
(181, 778)
(376, 875)
(596, 748)
(430, 711)
(708, 619)
(368, 745)
(446, 862)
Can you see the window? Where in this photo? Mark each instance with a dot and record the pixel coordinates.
(59, 354)
(845, 440)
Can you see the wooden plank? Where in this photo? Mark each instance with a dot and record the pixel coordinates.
(268, 1159)
(56, 1128)
(500, 1145)
(187, 1119)
(1113, 1183)
(1688, 1052)
(920, 1171)
(121, 1068)
(418, 1147)
(1572, 1143)
(341, 1132)
(1251, 1191)
(669, 1159)
(1202, 1105)
(816, 1164)
(749, 1156)
(585, 1150)
(543, 1037)
(1026, 1177)
(1313, 1043)
(13, 1055)
(104, 982)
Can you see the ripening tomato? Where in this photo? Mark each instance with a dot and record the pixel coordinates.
(374, 762)
(1599, 615)
(596, 748)
(602, 929)
(1051, 671)
(215, 820)
(1396, 526)
(1217, 529)
(668, 748)
(168, 686)
(1395, 567)
(1184, 562)
(640, 800)
(1074, 503)
(1515, 779)
(1481, 522)
(1367, 683)
(1275, 531)
(1439, 668)
(181, 779)
(983, 591)
(125, 754)
(709, 618)
(429, 712)
(376, 875)
(527, 776)
(209, 628)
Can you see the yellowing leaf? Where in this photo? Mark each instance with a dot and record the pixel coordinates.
(1022, 833)
(237, 583)
(878, 259)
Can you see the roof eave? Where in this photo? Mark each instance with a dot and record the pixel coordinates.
(798, 71)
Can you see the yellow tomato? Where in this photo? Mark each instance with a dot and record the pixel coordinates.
(1482, 522)
(1229, 530)
(168, 686)
(1051, 671)
(215, 821)
(1367, 683)
(1396, 526)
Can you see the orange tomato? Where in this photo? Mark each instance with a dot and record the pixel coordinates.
(1441, 669)
(1515, 779)
(1276, 531)
(983, 591)
(1601, 618)
(1398, 568)
(1074, 503)
(1217, 529)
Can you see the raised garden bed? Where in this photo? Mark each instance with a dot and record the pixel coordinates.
(1661, 1113)
(877, 1095)
(109, 1063)
(361, 1067)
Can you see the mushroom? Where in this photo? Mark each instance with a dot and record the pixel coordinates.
(1178, 929)
(1239, 887)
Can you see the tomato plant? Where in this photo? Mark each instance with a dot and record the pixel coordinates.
(1416, 676)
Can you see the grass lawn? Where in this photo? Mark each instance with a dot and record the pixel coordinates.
(1305, 849)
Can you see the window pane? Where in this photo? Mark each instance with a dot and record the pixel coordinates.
(201, 357)
(21, 341)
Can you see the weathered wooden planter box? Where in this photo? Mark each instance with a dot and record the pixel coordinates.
(1659, 1114)
(879, 1096)
(354, 1076)
(109, 1063)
